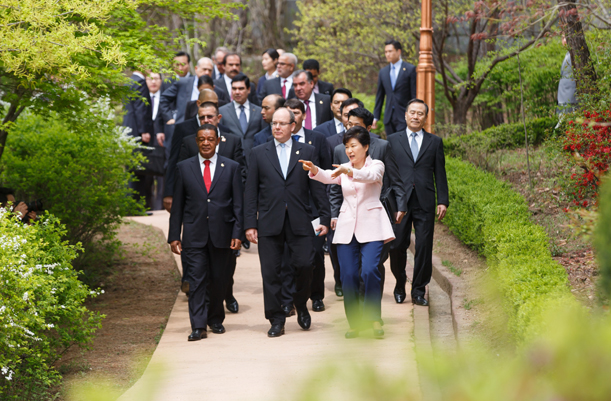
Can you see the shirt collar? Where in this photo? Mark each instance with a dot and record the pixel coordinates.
(139, 75)
(212, 159)
(246, 105)
(418, 134)
(289, 79)
(398, 64)
(339, 124)
(312, 98)
(301, 132)
(288, 143)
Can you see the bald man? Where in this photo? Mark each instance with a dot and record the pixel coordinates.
(206, 94)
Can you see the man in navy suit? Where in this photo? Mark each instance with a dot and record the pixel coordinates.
(396, 82)
(233, 66)
(278, 213)
(317, 106)
(421, 162)
(320, 86)
(270, 104)
(208, 206)
(335, 126)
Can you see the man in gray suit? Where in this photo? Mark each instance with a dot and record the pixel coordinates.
(240, 116)
(566, 87)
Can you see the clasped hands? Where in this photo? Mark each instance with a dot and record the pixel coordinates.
(339, 169)
(177, 246)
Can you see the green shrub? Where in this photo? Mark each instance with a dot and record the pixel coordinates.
(41, 305)
(602, 239)
(506, 136)
(489, 216)
(369, 101)
(81, 171)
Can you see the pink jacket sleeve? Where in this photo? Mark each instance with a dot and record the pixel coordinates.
(372, 173)
(324, 176)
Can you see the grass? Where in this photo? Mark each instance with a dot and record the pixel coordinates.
(468, 304)
(457, 271)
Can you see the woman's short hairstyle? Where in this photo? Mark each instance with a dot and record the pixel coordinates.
(272, 53)
(360, 134)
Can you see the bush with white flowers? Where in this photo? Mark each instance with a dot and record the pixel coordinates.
(42, 310)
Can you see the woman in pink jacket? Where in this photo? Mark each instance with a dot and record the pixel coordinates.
(362, 229)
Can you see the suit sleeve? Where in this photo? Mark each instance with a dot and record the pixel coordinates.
(238, 204)
(394, 177)
(413, 79)
(377, 110)
(238, 156)
(441, 180)
(184, 153)
(168, 97)
(251, 193)
(158, 124)
(263, 93)
(324, 154)
(336, 197)
(319, 194)
(176, 214)
(170, 174)
(148, 111)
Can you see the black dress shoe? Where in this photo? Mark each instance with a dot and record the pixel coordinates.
(303, 318)
(217, 328)
(289, 310)
(276, 330)
(197, 335)
(338, 290)
(318, 305)
(400, 295)
(184, 287)
(419, 300)
(325, 248)
(232, 305)
(246, 244)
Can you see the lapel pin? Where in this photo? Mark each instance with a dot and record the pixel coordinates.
(297, 152)
(223, 139)
(309, 142)
(404, 69)
(222, 164)
(321, 102)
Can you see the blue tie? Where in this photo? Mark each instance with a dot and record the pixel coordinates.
(296, 137)
(393, 77)
(243, 121)
(284, 165)
(414, 146)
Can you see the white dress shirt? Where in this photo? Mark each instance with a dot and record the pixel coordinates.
(312, 105)
(301, 134)
(419, 136)
(213, 160)
(397, 68)
(155, 97)
(289, 84)
(339, 126)
(195, 91)
(246, 109)
(217, 73)
(228, 83)
(287, 150)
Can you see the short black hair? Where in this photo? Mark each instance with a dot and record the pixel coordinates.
(279, 101)
(273, 53)
(291, 115)
(229, 55)
(210, 104)
(360, 134)
(241, 77)
(182, 54)
(205, 80)
(341, 90)
(395, 43)
(311, 64)
(4, 193)
(309, 76)
(294, 104)
(426, 106)
(362, 113)
(349, 102)
(210, 127)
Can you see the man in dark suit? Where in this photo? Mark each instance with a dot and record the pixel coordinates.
(422, 166)
(139, 118)
(379, 149)
(208, 206)
(277, 212)
(233, 66)
(317, 106)
(396, 82)
(242, 118)
(154, 82)
(323, 152)
(283, 84)
(219, 56)
(205, 82)
(335, 126)
(269, 105)
(326, 88)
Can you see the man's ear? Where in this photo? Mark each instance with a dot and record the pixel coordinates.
(220, 116)
(369, 128)
(198, 103)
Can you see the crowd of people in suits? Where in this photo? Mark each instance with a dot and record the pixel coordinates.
(290, 164)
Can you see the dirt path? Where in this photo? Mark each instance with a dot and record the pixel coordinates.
(243, 364)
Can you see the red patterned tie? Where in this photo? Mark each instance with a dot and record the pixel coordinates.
(207, 178)
(284, 88)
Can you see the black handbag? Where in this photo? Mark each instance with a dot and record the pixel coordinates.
(155, 161)
(390, 203)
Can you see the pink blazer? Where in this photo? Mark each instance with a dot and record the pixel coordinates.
(362, 213)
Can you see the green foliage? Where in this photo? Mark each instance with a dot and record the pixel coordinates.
(602, 239)
(489, 216)
(41, 305)
(81, 171)
(369, 102)
(506, 136)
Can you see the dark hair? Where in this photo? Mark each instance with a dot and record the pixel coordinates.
(4, 193)
(360, 134)
(241, 77)
(349, 102)
(426, 106)
(341, 90)
(182, 54)
(207, 127)
(394, 44)
(205, 80)
(273, 53)
(362, 113)
(309, 76)
(279, 101)
(229, 55)
(294, 104)
(210, 104)
(311, 64)
(291, 115)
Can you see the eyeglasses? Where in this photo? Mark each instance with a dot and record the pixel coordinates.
(280, 63)
(279, 124)
(208, 117)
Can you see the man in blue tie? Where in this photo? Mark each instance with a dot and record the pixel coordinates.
(396, 83)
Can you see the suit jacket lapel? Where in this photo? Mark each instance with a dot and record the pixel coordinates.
(426, 141)
(270, 148)
(402, 70)
(253, 114)
(218, 171)
(318, 108)
(233, 116)
(295, 148)
(197, 172)
(405, 143)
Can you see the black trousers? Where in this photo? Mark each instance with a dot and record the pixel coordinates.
(318, 274)
(271, 251)
(230, 272)
(397, 123)
(333, 257)
(424, 226)
(143, 187)
(206, 271)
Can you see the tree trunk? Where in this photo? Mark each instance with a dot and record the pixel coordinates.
(583, 68)
(459, 112)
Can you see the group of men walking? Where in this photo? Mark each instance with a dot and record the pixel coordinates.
(233, 177)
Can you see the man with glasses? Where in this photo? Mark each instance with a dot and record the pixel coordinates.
(277, 213)
(283, 84)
